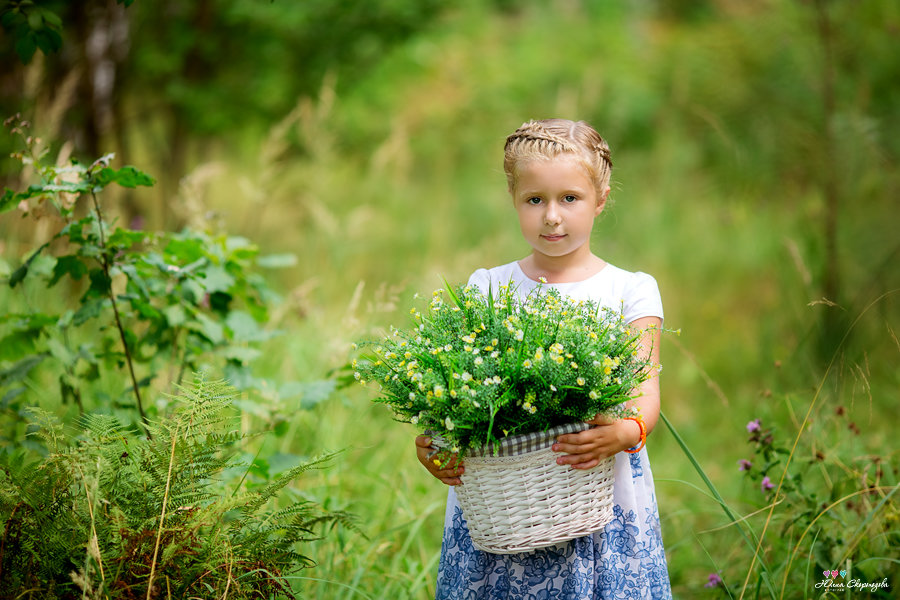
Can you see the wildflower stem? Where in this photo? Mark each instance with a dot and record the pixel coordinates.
(806, 419)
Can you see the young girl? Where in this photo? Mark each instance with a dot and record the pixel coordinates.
(558, 173)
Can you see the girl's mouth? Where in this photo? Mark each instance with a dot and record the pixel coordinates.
(554, 238)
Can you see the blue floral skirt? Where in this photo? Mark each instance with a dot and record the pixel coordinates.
(624, 561)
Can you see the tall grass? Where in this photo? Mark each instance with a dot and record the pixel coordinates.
(407, 188)
(387, 189)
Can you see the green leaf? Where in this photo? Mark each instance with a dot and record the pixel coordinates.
(73, 187)
(8, 201)
(19, 274)
(241, 354)
(70, 265)
(51, 18)
(126, 238)
(217, 279)
(100, 282)
(127, 176)
(175, 315)
(18, 344)
(88, 310)
(21, 369)
(11, 395)
(48, 40)
(142, 307)
(186, 250)
(25, 47)
(59, 351)
(212, 330)
(244, 328)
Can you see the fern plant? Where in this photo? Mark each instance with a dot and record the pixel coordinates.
(111, 514)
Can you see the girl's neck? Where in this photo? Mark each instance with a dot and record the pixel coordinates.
(561, 269)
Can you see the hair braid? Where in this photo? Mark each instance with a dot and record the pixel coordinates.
(541, 140)
(534, 132)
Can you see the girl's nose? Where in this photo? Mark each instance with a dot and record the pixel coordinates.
(551, 215)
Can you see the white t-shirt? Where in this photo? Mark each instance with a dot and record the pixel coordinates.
(635, 295)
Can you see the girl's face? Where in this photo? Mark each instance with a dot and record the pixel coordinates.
(557, 204)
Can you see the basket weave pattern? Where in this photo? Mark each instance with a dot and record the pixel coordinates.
(527, 501)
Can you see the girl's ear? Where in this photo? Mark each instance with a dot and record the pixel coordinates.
(601, 202)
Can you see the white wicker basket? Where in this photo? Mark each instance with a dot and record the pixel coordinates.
(522, 500)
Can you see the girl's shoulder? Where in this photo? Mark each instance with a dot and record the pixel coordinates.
(486, 279)
(636, 292)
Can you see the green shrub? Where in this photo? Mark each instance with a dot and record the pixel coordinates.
(110, 514)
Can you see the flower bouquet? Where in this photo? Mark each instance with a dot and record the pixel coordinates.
(496, 378)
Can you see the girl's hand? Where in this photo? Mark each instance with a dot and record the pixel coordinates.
(585, 450)
(450, 473)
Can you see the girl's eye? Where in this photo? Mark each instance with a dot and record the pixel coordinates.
(534, 200)
(569, 198)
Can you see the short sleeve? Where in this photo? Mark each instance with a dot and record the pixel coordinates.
(481, 279)
(642, 298)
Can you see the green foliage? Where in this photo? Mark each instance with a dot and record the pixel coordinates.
(108, 514)
(836, 510)
(34, 26)
(152, 305)
(31, 26)
(478, 368)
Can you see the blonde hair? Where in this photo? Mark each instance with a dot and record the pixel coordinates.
(549, 138)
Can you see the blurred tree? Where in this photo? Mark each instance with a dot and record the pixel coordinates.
(188, 71)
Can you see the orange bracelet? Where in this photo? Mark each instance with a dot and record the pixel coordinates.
(640, 422)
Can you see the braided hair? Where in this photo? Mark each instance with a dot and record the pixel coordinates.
(548, 138)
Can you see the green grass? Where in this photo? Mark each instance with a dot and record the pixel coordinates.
(716, 195)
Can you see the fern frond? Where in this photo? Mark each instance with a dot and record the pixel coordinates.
(107, 486)
(271, 490)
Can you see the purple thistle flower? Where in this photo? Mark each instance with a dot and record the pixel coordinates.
(744, 465)
(753, 426)
(714, 581)
(766, 484)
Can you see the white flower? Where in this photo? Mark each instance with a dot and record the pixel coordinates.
(520, 335)
(552, 387)
(412, 396)
(478, 361)
(449, 424)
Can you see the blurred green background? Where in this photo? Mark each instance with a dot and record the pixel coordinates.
(755, 148)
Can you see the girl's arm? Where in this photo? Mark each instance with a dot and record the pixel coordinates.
(585, 450)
